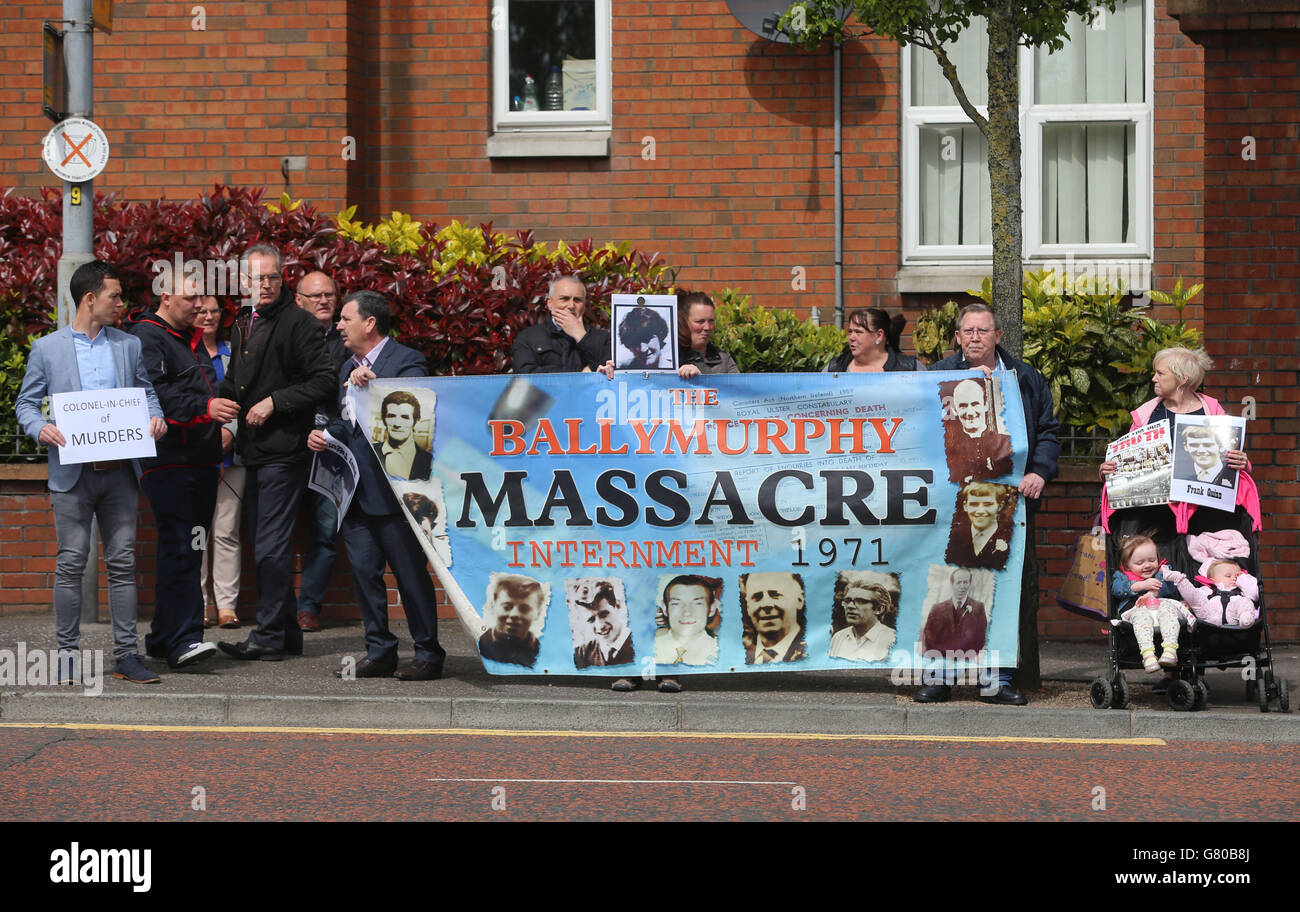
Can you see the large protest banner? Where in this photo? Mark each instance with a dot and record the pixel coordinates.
(736, 523)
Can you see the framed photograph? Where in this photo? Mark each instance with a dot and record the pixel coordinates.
(644, 332)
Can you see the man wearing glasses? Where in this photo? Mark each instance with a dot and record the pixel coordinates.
(318, 295)
(978, 336)
(280, 374)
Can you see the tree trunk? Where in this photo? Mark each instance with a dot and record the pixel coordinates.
(1029, 674)
(1004, 169)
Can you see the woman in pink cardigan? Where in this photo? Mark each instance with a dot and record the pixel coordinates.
(1176, 375)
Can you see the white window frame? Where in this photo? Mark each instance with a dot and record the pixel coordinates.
(1032, 119)
(506, 121)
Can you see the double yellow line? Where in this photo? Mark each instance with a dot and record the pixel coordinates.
(499, 733)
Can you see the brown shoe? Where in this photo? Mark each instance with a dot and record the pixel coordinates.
(209, 620)
(419, 670)
(228, 620)
(308, 621)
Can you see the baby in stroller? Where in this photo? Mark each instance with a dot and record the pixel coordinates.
(1149, 598)
(1228, 598)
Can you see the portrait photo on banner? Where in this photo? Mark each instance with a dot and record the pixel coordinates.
(983, 521)
(427, 513)
(401, 431)
(645, 332)
(774, 618)
(957, 609)
(514, 617)
(975, 437)
(864, 615)
(599, 622)
(687, 619)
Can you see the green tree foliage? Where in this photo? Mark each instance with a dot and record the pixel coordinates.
(1093, 344)
(935, 25)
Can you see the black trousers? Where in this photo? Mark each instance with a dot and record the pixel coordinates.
(183, 498)
(272, 493)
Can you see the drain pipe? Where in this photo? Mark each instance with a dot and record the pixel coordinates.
(839, 197)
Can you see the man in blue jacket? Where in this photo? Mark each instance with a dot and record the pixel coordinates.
(375, 528)
(91, 355)
(978, 336)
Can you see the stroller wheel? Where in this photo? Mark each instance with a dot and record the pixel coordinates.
(1119, 689)
(1100, 693)
(1182, 695)
(1200, 696)
(1261, 692)
(1283, 697)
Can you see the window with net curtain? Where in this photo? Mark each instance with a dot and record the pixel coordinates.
(1087, 194)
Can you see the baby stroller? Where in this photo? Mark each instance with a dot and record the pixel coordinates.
(1205, 646)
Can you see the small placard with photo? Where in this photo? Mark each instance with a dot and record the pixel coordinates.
(1200, 474)
(644, 332)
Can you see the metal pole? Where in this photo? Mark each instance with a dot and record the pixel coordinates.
(839, 197)
(79, 220)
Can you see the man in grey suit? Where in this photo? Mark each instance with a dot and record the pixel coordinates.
(91, 355)
(375, 528)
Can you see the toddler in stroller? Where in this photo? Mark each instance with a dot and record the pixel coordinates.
(1229, 596)
(1148, 597)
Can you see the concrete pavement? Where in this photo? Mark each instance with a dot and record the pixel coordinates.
(304, 692)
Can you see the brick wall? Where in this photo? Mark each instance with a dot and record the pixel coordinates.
(185, 109)
(1252, 257)
(739, 193)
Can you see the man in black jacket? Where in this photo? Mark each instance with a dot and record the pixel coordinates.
(978, 336)
(561, 342)
(279, 374)
(181, 480)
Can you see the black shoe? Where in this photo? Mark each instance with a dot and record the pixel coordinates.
(933, 693)
(670, 686)
(626, 685)
(370, 668)
(419, 670)
(1006, 696)
(248, 652)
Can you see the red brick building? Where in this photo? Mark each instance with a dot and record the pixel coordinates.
(686, 134)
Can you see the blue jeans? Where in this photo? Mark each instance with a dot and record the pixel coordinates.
(113, 498)
(318, 562)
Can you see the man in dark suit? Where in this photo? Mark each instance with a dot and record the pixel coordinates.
(981, 528)
(773, 614)
(611, 642)
(1201, 458)
(375, 529)
(398, 452)
(959, 623)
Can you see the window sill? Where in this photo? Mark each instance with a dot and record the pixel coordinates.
(956, 278)
(942, 279)
(549, 144)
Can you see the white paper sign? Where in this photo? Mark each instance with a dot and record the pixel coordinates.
(100, 425)
(334, 475)
(1200, 475)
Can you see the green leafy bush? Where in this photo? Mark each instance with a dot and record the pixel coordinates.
(772, 341)
(14, 346)
(1094, 347)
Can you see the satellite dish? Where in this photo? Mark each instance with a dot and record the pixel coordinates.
(761, 17)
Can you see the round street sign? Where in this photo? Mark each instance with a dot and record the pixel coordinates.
(76, 150)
